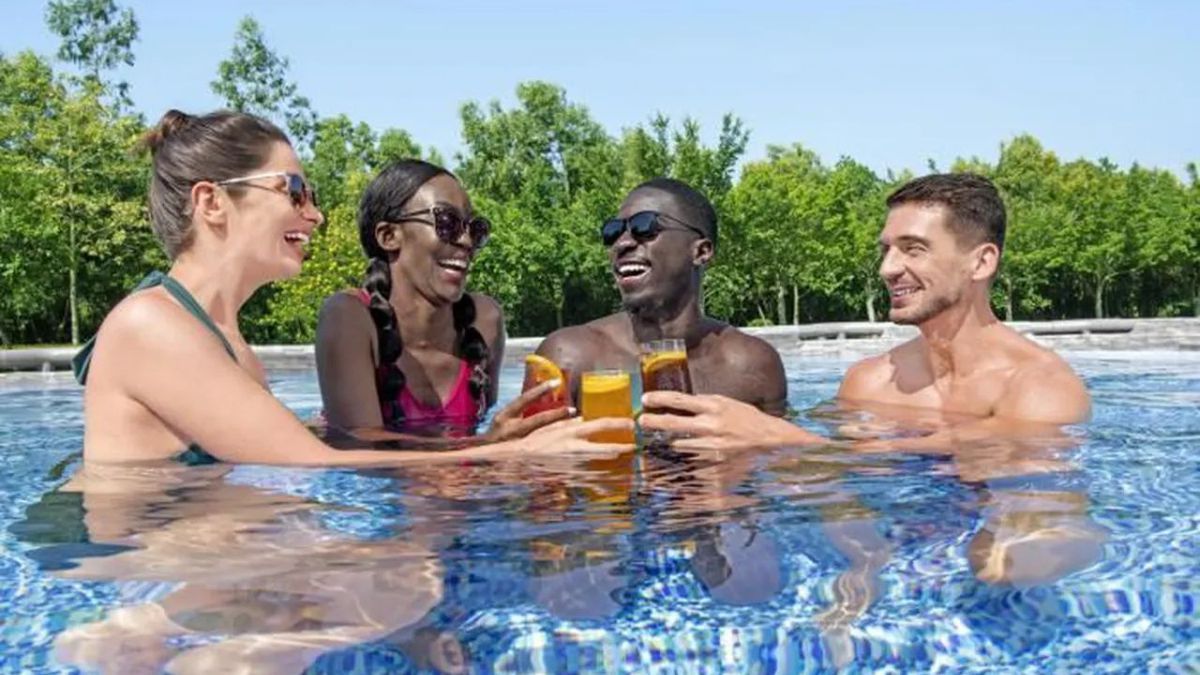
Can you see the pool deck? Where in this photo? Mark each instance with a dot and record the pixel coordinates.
(822, 340)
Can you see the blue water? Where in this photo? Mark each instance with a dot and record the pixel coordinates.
(1085, 551)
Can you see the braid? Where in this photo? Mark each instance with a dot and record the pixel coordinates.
(474, 350)
(378, 285)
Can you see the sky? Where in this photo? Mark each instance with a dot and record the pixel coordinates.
(893, 85)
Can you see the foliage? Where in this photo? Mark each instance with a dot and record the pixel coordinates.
(797, 235)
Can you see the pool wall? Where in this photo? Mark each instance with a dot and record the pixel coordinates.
(842, 340)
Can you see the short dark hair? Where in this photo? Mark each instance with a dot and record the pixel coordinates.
(976, 210)
(697, 209)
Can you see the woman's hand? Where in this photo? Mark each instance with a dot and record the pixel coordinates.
(508, 424)
(571, 436)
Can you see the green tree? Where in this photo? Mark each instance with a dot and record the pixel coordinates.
(74, 234)
(255, 79)
(1097, 232)
(547, 175)
(1026, 175)
(97, 36)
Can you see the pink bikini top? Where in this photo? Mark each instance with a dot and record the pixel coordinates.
(459, 413)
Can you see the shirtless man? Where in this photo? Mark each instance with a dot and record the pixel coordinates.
(940, 247)
(663, 238)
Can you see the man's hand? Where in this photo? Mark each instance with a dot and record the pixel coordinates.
(719, 423)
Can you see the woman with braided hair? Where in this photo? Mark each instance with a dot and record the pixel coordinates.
(411, 351)
(169, 375)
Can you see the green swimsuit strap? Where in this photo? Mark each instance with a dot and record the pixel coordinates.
(83, 360)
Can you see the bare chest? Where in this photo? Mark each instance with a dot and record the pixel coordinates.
(977, 394)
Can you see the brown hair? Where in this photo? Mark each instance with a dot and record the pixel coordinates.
(187, 149)
(976, 210)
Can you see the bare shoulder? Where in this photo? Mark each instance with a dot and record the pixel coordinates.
(743, 350)
(489, 317)
(575, 344)
(143, 315)
(1044, 388)
(343, 314)
(868, 379)
(148, 327)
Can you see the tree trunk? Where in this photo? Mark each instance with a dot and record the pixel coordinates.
(1196, 299)
(72, 273)
(1008, 300)
(1100, 298)
(871, 304)
(781, 304)
(558, 307)
(795, 304)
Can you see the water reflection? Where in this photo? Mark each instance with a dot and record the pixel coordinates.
(460, 560)
(235, 574)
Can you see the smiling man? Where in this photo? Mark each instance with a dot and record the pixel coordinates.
(940, 249)
(659, 244)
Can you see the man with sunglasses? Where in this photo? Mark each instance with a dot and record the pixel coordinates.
(659, 245)
(940, 251)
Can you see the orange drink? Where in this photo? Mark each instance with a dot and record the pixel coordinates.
(607, 393)
(539, 369)
(665, 366)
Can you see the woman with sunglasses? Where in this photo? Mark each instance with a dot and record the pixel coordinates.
(412, 351)
(169, 375)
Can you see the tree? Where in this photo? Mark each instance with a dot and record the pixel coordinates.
(1097, 232)
(73, 233)
(254, 79)
(1026, 175)
(97, 36)
(547, 175)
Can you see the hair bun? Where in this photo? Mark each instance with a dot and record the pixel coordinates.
(171, 123)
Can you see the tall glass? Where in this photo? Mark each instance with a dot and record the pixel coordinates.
(539, 369)
(607, 393)
(664, 368)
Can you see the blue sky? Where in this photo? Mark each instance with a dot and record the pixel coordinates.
(890, 84)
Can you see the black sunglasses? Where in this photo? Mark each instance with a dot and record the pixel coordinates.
(298, 190)
(449, 225)
(644, 226)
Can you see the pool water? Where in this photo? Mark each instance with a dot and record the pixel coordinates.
(1054, 554)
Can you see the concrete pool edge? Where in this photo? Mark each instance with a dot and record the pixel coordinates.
(839, 340)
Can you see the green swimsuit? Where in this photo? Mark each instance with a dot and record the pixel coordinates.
(194, 454)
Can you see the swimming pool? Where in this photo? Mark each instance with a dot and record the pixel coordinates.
(777, 561)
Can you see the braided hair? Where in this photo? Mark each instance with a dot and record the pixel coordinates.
(384, 200)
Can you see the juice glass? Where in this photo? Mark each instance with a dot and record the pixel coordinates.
(665, 366)
(607, 393)
(539, 369)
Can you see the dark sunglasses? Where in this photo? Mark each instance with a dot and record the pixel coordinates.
(299, 191)
(450, 226)
(644, 226)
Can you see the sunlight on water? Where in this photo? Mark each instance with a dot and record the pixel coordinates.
(1068, 552)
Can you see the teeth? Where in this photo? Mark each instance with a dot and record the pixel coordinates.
(632, 269)
(297, 236)
(901, 292)
(454, 263)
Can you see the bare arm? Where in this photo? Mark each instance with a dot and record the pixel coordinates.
(167, 362)
(346, 362)
(763, 380)
(491, 319)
